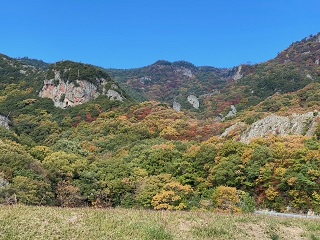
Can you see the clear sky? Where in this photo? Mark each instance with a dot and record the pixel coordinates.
(136, 33)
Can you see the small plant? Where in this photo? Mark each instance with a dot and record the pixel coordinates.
(247, 203)
(62, 97)
(313, 237)
(274, 236)
(157, 232)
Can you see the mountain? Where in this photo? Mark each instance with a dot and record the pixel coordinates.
(34, 62)
(173, 82)
(224, 140)
(215, 90)
(30, 95)
(69, 84)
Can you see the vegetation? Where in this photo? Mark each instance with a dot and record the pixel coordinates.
(34, 62)
(165, 81)
(123, 158)
(70, 72)
(291, 70)
(146, 155)
(22, 222)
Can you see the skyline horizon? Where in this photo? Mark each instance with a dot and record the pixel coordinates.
(125, 34)
(172, 62)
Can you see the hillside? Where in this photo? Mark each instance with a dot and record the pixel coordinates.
(237, 139)
(173, 82)
(218, 89)
(29, 96)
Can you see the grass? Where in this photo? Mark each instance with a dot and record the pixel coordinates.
(25, 222)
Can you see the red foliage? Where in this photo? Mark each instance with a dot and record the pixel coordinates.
(142, 113)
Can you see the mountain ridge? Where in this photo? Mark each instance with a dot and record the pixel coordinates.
(249, 135)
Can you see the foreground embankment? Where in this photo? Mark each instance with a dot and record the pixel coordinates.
(24, 222)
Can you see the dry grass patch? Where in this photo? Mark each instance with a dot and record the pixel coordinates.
(23, 222)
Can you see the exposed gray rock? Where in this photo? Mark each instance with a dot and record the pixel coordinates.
(238, 74)
(69, 94)
(143, 80)
(66, 94)
(231, 113)
(176, 106)
(114, 95)
(240, 126)
(193, 100)
(185, 72)
(4, 122)
(295, 124)
(114, 86)
(317, 61)
(309, 76)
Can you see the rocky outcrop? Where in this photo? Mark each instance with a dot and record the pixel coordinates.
(65, 94)
(145, 80)
(231, 113)
(238, 74)
(193, 100)
(236, 128)
(176, 106)
(114, 95)
(309, 76)
(4, 122)
(296, 124)
(185, 72)
(69, 94)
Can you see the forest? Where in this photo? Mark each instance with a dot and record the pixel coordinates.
(149, 156)
(144, 154)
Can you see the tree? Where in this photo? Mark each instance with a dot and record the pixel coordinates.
(226, 199)
(69, 195)
(30, 191)
(63, 166)
(173, 196)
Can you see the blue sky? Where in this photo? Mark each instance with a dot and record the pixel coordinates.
(136, 33)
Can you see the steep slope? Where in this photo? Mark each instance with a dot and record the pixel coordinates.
(29, 97)
(34, 62)
(105, 153)
(291, 70)
(174, 82)
(69, 84)
(216, 90)
(295, 113)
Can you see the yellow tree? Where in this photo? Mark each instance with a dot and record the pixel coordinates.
(226, 199)
(173, 196)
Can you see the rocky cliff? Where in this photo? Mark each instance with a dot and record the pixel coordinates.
(4, 122)
(68, 92)
(295, 124)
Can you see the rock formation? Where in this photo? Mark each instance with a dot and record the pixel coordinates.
(238, 74)
(295, 124)
(185, 72)
(176, 106)
(193, 100)
(4, 122)
(69, 94)
(231, 113)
